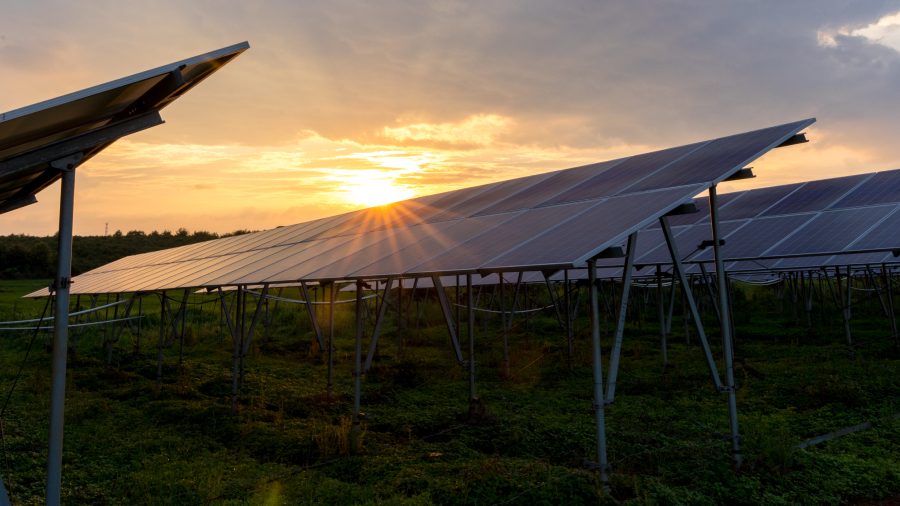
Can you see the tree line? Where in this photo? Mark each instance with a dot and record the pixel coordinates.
(32, 257)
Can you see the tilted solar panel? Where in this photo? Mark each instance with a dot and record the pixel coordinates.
(550, 187)
(882, 188)
(622, 175)
(756, 237)
(757, 201)
(488, 198)
(816, 195)
(885, 235)
(831, 231)
(704, 164)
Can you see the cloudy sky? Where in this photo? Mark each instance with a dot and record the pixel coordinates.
(344, 104)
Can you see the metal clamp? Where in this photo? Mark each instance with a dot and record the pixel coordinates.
(63, 283)
(725, 389)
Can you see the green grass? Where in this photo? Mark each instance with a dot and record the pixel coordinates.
(127, 444)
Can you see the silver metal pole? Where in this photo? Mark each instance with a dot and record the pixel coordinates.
(357, 371)
(890, 303)
(60, 334)
(599, 403)
(662, 317)
(505, 328)
(725, 321)
(570, 358)
(330, 389)
(471, 317)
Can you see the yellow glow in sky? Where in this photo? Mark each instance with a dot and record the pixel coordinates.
(375, 192)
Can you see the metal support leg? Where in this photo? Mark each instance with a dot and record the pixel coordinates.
(162, 342)
(470, 316)
(662, 318)
(724, 318)
(504, 326)
(599, 404)
(448, 315)
(620, 319)
(688, 293)
(570, 357)
(357, 371)
(60, 328)
(330, 351)
(890, 303)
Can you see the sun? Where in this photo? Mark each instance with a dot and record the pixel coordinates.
(375, 192)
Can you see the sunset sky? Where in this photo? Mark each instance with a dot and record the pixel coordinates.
(339, 105)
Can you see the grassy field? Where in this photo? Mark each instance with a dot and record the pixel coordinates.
(288, 444)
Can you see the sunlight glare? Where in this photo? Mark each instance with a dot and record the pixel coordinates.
(375, 192)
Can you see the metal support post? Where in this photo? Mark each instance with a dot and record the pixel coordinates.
(470, 316)
(330, 351)
(662, 317)
(599, 404)
(448, 316)
(890, 303)
(724, 319)
(162, 338)
(357, 372)
(620, 319)
(692, 306)
(137, 346)
(570, 357)
(60, 327)
(238, 341)
(845, 307)
(504, 326)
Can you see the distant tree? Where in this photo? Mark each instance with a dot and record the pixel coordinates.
(135, 233)
(182, 232)
(118, 233)
(167, 233)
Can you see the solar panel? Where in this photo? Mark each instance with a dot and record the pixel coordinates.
(468, 256)
(884, 236)
(755, 237)
(882, 188)
(88, 121)
(705, 164)
(367, 256)
(488, 198)
(757, 201)
(831, 231)
(655, 251)
(587, 234)
(622, 175)
(428, 248)
(548, 188)
(816, 195)
(450, 200)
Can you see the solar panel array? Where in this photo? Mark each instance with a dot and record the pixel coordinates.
(829, 222)
(554, 220)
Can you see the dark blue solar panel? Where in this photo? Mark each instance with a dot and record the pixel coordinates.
(885, 235)
(626, 173)
(488, 198)
(584, 234)
(755, 202)
(473, 253)
(718, 158)
(451, 199)
(831, 231)
(882, 188)
(754, 238)
(815, 195)
(550, 187)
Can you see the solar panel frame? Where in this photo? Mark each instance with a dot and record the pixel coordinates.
(477, 203)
